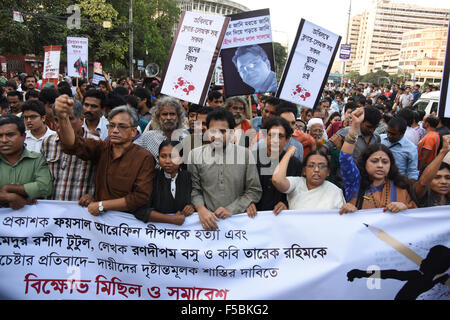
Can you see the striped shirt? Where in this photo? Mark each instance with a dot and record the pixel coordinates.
(72, 177)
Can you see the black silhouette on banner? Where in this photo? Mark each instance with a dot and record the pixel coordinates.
(419, 281)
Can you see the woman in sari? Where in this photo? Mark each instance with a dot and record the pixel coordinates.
(375, 181)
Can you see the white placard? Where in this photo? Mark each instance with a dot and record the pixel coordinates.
(51, 62)
(57, 250)
(77, 57)
(308, 65)
(193, 56)
(247, 32)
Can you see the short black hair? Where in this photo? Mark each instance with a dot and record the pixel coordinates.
(432, 121)
(65, 90)
(15, 94)
(399, 123)
(407, 114)
(279, 122)
(93, 93)
(132, 101)
(194, 108)
(121, 91)
(49, 95)
(372, 115)
(34, 105)
(273, 101)
(32, 94)
(29, 76)
(11, 84)
(444, 165)
(212, 95)
(12, 119)
(172, 143)
(205, 110)
(220, 114)
(286, 106)
(143, 93)
(350, 105)
(113, 100)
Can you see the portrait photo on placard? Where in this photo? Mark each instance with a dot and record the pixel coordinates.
(249, 69)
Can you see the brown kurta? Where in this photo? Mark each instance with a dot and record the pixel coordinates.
(130, 176)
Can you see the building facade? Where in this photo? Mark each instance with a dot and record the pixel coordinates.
(219, 7)
(380, 30)
(422, 54)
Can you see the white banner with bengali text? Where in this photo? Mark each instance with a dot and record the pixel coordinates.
(57, 250)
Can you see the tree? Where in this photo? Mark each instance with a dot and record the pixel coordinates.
(154, 24)
(354, 76)
(280, 58)
(45, 24)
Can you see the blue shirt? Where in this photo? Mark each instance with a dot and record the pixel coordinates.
(405, 155)
(416, 96)
(257, 123)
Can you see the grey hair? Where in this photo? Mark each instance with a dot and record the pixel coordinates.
(134, 119)
(168, 102)
(229, 102)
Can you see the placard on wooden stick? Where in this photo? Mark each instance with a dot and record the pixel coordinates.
(193, 56)
(309, 65)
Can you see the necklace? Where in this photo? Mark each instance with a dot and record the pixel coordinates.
(383, 202)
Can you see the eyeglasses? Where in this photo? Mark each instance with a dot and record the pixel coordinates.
(121, 127)
(247, 67)
(312, 166)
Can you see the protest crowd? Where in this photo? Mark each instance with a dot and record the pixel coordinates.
(121, 145)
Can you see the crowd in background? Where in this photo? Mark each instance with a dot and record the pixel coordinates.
(121, 145)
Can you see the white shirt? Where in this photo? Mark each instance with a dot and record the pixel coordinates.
(325, 197)
(173, 183)
(101, 128)
(412, 135)
(34, 144)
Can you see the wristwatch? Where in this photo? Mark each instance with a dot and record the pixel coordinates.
(100, 207)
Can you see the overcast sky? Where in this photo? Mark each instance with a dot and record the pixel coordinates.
(329, 14)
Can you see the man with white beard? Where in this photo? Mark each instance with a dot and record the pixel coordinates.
(237, 106)
(168, 122)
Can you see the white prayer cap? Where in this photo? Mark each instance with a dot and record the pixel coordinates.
(314, 121)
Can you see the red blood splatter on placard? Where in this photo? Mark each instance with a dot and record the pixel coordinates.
(301, 92)
(184, 85)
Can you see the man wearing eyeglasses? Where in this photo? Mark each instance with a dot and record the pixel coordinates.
(255, 69)
(37, 131)
(125, 171)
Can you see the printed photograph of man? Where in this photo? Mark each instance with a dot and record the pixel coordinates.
(254, 68)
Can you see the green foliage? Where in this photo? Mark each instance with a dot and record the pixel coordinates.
(280, 58)
(354, 76)
(45, 24)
